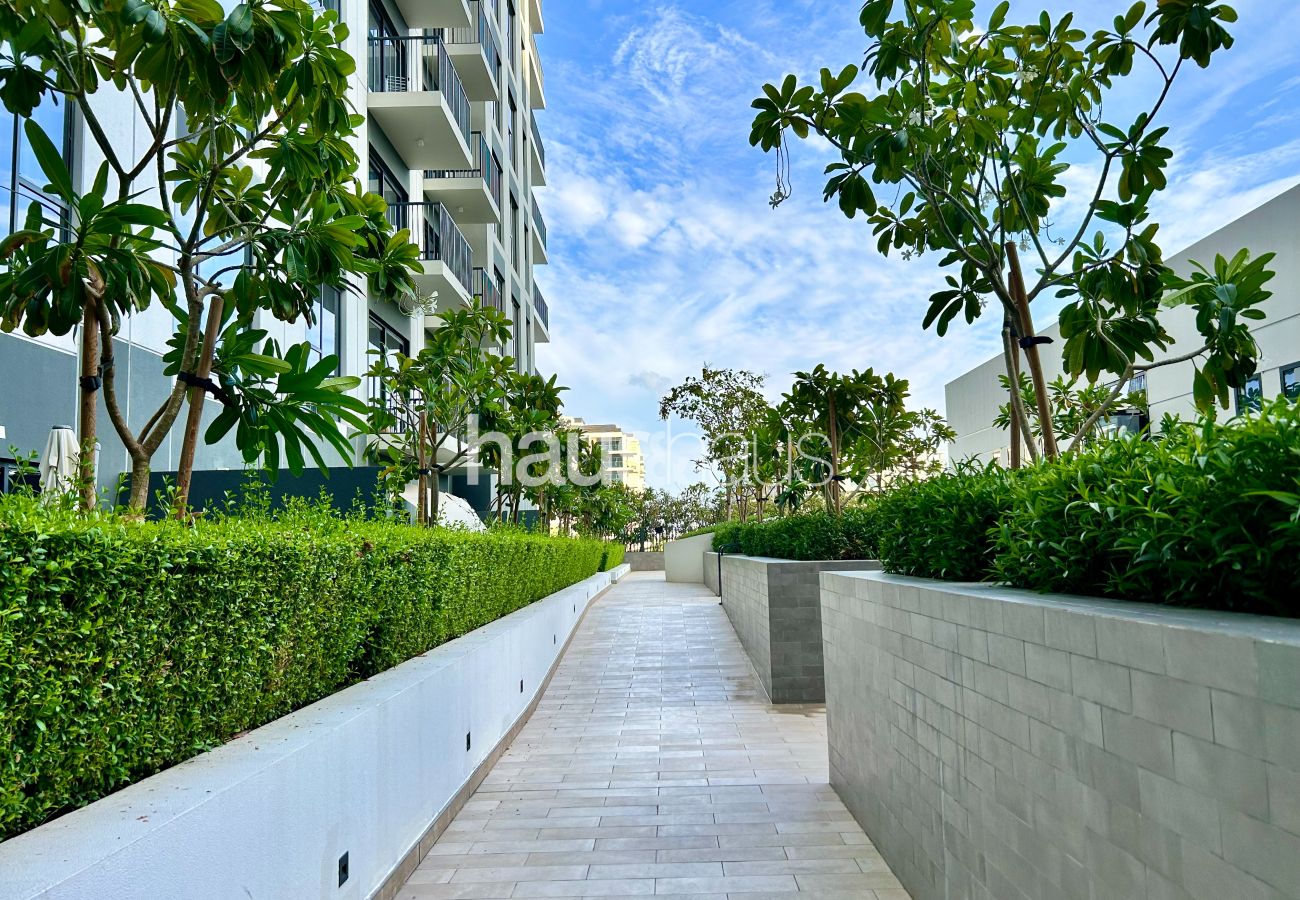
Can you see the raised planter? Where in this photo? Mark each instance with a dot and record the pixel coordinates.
(684, 558)
(712, 573)
(775, 607)
(999, 743)
(645, 560)
(370, 775)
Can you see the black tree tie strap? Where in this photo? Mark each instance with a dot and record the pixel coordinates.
(208, 385)
(1026, 343)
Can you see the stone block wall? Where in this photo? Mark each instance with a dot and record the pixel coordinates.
(1002, 745)
(711, 573)
(775, 607)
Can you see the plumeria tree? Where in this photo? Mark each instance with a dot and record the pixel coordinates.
(963, 145)
(241, 199)
(529, 418)
(421, 414)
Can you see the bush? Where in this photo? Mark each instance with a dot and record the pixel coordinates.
(128, 647)
(613, 557)
(811, 536)
(1207, 515)
(943, 527)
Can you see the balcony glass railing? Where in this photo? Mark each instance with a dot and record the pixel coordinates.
(478, 33)
(403, 64)
(537, 140)
(539, 225)
(487, 292)
(435, 234)
(539, 304)
(485, 166)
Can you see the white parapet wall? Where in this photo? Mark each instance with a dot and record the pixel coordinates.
(366, 772)
(1000, 743)
(684, 559)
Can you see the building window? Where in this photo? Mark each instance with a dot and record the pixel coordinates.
(512, 113)
(516, 332)
(514, 230)
(616, 445)
(616, 477)
(323, 334)
(1251, 397)
(384, 342)
(1138, 383)
(510, 31)
(21, 177)
(616, 461)
(1291, 381)
(383, 181)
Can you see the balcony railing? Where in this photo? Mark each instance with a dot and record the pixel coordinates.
(435, 234)
(539, 304)
(421, 63)
(537, 140)
(486, 291)
(478, 33)
(539, 225)
(484, 166)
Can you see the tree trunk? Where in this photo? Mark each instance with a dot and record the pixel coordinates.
(139, 495)
(89, 408)
(435, 486)
(194, 417)
(421, 464)
(833, 436)
(1032, 355)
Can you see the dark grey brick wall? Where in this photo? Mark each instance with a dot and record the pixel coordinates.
(1000, 745)
(775, 607)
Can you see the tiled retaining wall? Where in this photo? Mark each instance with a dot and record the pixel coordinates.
(775, 608)
(1002, 745)
(645, 561)
(711, 573)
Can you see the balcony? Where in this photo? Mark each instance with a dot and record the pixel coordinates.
(473, 193)
(540, 255)
(542, 319)
(424, 14)
(444, 252)
(476, 54)
(536, 80)
(538, 153)
(417, 98)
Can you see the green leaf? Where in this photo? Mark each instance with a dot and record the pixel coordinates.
(50, 161)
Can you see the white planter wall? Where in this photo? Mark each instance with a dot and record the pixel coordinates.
(268, 816)
(684, 558)
(1001, 744)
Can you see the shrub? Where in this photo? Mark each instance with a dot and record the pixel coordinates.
(613, 557)
(943, 527)
(811, 536)
(128, 647)
(1207, 515)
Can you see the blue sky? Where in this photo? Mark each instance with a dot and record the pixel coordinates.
(665, 253)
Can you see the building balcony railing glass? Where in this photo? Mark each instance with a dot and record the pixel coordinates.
(539, 304)
(435, 234)
(539, 226)
(419, 64)
(484, 166)
(537, 139)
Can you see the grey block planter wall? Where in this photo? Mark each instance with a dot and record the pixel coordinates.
(1001, 744)
(645, 560)
(775, 607)
(711, 573)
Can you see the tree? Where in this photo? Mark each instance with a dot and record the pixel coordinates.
(894, 444)
(728, 406)
(421, 415)
(831, 409)
(244, 198)
(973, 130)
(528, 414)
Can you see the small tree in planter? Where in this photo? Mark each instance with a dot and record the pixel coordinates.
(529, 412)
(971, 128)
(243, 200)
(830, 408)
(421, 414)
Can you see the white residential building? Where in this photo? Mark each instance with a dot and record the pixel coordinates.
(448, 89)
(621, 458)
(974, 398)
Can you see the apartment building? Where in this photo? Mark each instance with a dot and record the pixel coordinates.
(974, 398)
(449, 90)
(622, 462)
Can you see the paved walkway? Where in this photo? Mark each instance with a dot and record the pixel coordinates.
(653, 766)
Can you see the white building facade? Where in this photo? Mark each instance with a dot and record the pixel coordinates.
(449, 90)
(973, 399)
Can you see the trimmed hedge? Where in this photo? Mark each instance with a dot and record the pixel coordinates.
(810, 536)
(943, 527)
(613, 557)
(1208, 516)
(126, 648)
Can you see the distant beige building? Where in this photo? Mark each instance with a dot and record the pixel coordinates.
(623, 462)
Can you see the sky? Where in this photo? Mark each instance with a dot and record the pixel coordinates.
(665, 253)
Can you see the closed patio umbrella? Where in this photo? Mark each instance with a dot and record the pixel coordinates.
(59, 462)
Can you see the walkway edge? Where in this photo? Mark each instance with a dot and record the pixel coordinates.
(411, 860)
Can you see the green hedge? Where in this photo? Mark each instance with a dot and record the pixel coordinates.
(1208, 515)
(811, 536)
(613, 557)
(127, 647)
(943, 527)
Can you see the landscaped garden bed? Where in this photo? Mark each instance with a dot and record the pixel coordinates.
(127, 647)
